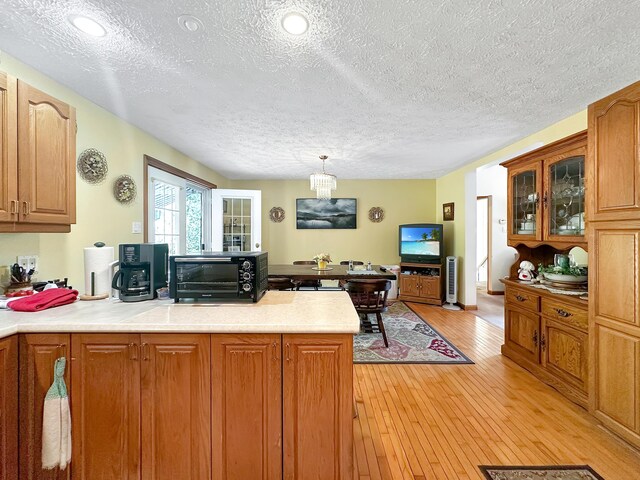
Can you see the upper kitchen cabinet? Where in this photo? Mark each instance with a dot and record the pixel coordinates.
(614, 151)
(38, 149)
(546, 195)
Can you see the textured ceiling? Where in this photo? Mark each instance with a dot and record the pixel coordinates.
(386, 88)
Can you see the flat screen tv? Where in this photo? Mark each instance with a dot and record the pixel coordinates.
(421, 243)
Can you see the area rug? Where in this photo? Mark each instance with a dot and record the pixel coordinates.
(411, 340)
(547, 472)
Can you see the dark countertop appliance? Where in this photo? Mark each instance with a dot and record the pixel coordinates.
(142, 270)
(219, 276)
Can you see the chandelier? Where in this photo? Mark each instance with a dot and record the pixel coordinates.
(323, 183)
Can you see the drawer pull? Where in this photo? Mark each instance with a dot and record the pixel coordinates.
(563, 313)
(535, 338)
(520, 298)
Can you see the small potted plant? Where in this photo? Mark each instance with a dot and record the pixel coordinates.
(564, 273)
(322, 259)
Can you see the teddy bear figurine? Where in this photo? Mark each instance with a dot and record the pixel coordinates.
(526, 271)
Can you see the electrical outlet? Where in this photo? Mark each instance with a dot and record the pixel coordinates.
(28, 262)
(136, 227)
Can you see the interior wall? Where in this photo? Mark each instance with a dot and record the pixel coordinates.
(493, 181)
(99, 216)
(403, 201)
(451, 188)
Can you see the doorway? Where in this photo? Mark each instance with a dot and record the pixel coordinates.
(483, 242)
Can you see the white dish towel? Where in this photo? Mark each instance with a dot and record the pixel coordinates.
(56, 422)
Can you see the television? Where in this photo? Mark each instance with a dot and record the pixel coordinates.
(421, 243)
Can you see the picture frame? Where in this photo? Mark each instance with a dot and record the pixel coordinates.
(448, 211)
(332, 214)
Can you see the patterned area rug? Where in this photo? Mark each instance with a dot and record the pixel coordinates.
(411, 340)
(551, 472)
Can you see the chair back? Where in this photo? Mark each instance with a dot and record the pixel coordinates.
(369, 296)
(355, 262)
(304, 262)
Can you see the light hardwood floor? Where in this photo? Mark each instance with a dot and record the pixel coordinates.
(442, 421)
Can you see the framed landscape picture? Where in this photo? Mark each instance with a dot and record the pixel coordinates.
(337, 213)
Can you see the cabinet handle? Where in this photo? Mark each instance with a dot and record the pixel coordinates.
(535, 338)
(145, 351)
(133, 351)
(543, 342)
(60, 350)
(274, 346)
(563, 313)
(537, 201)
(520, 298)
(288, 351)
(14, 207)
(545, 199)
(25, 210)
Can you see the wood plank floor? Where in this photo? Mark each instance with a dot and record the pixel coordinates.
(442, 421)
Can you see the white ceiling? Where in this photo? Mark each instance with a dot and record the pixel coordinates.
(386, 88)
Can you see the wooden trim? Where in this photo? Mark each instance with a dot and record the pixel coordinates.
(467, 307)
(561, 144)
(16, 227)
(495, 292)
(149, 161)
(489, 233)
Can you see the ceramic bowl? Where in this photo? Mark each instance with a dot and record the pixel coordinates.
(559, 277)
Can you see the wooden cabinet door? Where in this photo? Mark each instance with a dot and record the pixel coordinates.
(46, 156)
(522, 333)
(317, 407)
(614, 156)
(8, 149)
(38, 353)
(176, 406)
(429, 287)
(564, 352)
(410, 285)
(247, 407)
(9, 407)
(524, 209)
(105, 406)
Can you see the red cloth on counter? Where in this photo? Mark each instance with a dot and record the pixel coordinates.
(53, 297)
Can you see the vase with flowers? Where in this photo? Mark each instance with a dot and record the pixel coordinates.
(323, 260)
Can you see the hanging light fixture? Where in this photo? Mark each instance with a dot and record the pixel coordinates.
(323, 183)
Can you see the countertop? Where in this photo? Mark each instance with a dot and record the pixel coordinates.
(276, 312)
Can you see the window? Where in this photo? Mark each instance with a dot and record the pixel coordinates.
(178, 210)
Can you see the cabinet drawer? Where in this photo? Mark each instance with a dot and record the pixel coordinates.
(565, 313)
(526, 300)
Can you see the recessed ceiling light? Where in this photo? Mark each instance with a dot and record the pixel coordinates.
(295, 23)
(189, 23)
(88, 26)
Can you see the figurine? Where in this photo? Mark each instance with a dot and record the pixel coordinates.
(526, 271)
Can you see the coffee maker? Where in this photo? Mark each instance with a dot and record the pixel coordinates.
(143, 269)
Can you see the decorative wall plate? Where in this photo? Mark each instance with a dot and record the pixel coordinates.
(376, 214)
(124, 189)
(92, 166)
(276, 214)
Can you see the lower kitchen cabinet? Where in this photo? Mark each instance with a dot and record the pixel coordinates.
(140, 406)
(521, 332)
(9, 407)
(247, 406)
(38, 353)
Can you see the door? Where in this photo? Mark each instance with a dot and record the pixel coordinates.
(429, 287)
(564, 352)
(524, 210)
(247, 407)
(410, 285)
(38, 353)
(522, 333)
(105, 406)
(8, 149)
(317, 407)
(9, 407)
(237, 220)
(483, 242)
(176, 408)
(46, 152)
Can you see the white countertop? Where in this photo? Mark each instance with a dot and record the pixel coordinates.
(276, 312)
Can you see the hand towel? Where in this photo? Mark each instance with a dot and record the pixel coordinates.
(56, 422)
(45, 299)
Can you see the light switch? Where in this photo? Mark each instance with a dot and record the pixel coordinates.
(136, 227)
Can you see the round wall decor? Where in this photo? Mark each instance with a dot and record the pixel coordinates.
(376, 214)
(276, 214)
(92, 166)
(124, 189)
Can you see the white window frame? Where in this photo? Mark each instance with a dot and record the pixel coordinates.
(206, 214)
(155, 175)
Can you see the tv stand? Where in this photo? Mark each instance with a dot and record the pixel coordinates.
(421, 282)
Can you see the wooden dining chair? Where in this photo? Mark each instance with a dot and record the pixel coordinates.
(315, 284)
(370, 296)
(281, 283)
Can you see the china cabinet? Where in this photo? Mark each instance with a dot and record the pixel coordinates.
(546, 195)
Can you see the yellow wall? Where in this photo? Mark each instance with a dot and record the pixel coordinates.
(404, 201)
(99, 216)
(450, 188)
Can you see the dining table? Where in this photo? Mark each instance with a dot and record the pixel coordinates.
(333, 272)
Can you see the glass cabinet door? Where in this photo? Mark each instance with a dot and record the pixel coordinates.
(524, 191)
(565, 191)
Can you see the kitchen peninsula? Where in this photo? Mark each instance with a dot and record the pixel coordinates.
(198, 391)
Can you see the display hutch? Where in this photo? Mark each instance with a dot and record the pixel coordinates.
(545, 332)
